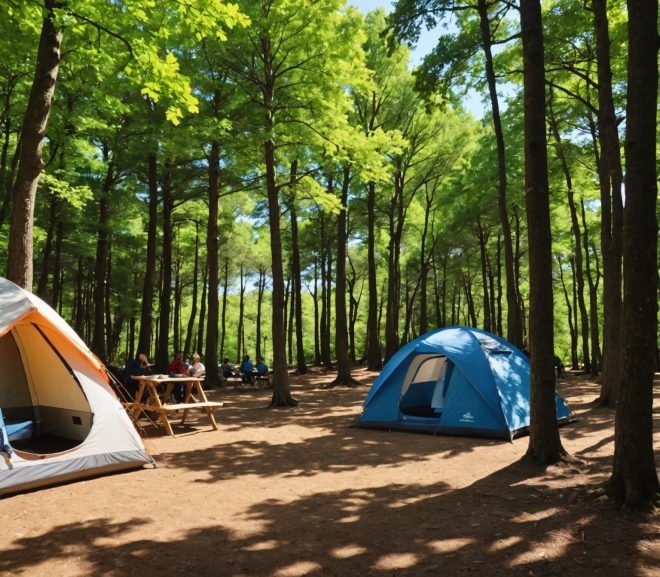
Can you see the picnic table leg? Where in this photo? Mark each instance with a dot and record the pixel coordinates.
(209, 410)
(158, 407)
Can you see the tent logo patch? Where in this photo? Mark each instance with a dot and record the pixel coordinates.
(467, 417)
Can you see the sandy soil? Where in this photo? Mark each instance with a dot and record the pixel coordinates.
(297, 492)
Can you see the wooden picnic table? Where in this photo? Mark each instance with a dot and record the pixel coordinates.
(161, 401)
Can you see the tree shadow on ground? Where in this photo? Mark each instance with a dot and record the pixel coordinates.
(514, 522)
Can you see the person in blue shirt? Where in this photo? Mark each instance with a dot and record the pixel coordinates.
(135, 367)
(262, 373)
(246, 370)
(262, 368)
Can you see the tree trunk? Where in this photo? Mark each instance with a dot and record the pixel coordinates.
(301, 364)
(326, 266)
(577, 237)
(178, 289)
(146, 316)
(212, 255)
(290, 290)
(202, 309)
(327, 329)
(47, 252)
(7, 174)
(163, 347)
(482, 236)
(58, 271)
(544, 443)
(223, 321)
(315, 296)
(374, 356)
(261, 289)
(514, 316)
(610, 177)
(193, 305)
(99, 338)
(634, 479)
(240, 338)
(424, 268)
(281, 388)
(21, 232)
(569, 306)
(593, 296)
(344, 376)
(78, 313)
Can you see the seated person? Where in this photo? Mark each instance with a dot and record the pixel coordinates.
(135, 367)
(262, 368)
(179, 368)
(197, 369)
(559, 367)
(246, 370)
(226, 369)
(262, 372)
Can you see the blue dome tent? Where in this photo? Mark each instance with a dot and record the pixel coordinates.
(455, 380)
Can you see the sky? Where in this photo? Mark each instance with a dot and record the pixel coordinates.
(427, 40)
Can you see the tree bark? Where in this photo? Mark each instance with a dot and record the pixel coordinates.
(212, 254)
(193, 305)
(514, 315)
(281, 388)
(315, 296)
(634, 479)
(99, 338)
(577, 237)
(202, 309)
(593, 279)
(47, 252)
(374, 356)
(21, 232)
(610, 176)
(162, 348)
(482, 236)
(544, 443)
(344, 376)
(146, 316)
(301, 364)
(261, 289)
(223, 321)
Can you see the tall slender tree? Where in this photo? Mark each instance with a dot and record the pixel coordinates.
(634, 479)
(544, 443)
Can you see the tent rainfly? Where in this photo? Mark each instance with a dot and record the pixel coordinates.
(455, 380)
(60, 419)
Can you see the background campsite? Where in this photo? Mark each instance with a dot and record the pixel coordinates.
(279, 179)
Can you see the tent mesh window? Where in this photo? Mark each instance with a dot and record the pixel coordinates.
(422, 393)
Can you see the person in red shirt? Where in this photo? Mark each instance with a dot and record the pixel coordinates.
(178, 368)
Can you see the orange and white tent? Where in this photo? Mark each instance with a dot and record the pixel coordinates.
(59, 416)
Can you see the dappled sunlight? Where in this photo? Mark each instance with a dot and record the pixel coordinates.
(505, 543)
(269, 545)
(297, 569)
(395, 561)
(349, 519)
(537, 515)
(448, 546)
(348, 551)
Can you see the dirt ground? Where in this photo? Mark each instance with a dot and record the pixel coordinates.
(298, 492)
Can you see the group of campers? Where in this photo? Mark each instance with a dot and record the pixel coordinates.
(247, 373)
